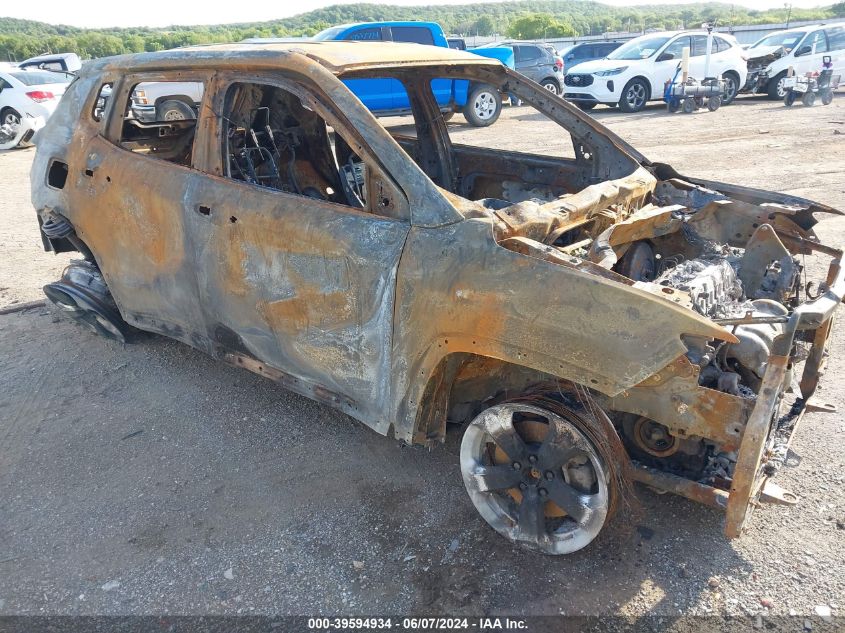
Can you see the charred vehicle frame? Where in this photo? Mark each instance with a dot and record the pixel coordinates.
(591, 321)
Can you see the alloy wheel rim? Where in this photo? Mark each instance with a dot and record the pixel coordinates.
(636, 95)
(485, 105)
(547, 492)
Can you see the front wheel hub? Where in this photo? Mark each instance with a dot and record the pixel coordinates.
(558, 502)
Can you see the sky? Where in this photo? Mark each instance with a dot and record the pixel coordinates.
(89, 14)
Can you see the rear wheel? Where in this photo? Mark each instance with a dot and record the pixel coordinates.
(809, 98)
(536, 477)
(634, 96)
(551, 85)
(82, 295)
(827, 97)
(10, 116)
(174, 110)
(483, 106)
(789, 98)
(586, 106)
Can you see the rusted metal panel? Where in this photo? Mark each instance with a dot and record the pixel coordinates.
(393, 313)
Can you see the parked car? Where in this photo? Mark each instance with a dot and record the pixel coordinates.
(588, 321)
(63, 62)
(480, 105)
(587, 52)
(536, 60)
(166, 101)
(636, 72)
(803, 48)
(33, 93)
(458, 43)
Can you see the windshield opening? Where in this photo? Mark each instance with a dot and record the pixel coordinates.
(639, 48)
(787, 40)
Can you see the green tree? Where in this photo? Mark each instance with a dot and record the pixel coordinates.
(484, 26)
(537, 26)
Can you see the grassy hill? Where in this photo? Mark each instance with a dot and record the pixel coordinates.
(20, 39)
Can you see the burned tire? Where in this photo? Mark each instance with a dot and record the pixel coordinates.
(635, 95)
(82, 295)
(483, 106)
(174, 110)
(775, 87)
(539, 475)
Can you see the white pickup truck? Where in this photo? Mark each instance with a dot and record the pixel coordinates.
(166, 100)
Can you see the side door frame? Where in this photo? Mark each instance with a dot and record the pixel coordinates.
(294, 288)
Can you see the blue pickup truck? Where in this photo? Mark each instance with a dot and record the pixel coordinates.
(480, 103)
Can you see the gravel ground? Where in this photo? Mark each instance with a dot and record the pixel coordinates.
(149, 479)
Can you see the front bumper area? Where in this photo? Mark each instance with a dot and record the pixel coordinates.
(768, 434)
(599, 90)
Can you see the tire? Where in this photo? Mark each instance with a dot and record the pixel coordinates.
(789, 98)
(586, 106)
(809, 98)
(827, 97)
(551, 85)
(775, 87)
(635, 95)
(673, 105)
(174, 110)
(525, 487)
(10, 116)
(483, 106)
(713, 103)
(447, 116)
(688, 105)
(731, 87)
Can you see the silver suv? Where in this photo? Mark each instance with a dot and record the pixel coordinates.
(538, 61)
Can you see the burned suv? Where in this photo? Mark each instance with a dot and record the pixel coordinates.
(591, 320)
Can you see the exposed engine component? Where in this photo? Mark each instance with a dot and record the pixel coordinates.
(82, 294)
(654, 438)
(653, 444)
(638, 263)
(712, 285)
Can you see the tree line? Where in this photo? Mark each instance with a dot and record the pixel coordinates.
(529, 19)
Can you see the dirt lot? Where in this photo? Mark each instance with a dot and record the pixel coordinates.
(149, 479)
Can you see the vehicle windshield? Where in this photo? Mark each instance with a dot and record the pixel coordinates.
(639, 48)
(39, 77)
(787, 40)
(329, 33)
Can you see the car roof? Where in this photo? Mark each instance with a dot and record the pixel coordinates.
(378, 24)
(336, 56)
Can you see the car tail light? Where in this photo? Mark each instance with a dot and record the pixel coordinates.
(559, 63)
(40, 96)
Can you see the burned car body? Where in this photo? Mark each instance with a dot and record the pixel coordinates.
(594, 320)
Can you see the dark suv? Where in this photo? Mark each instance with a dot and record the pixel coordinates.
(587, 52)
(538, 61)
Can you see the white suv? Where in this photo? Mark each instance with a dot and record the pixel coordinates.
(636, 72)
(803, 48)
